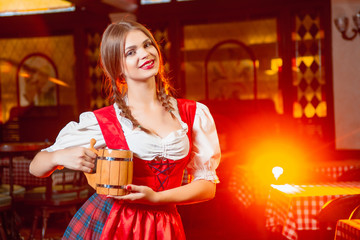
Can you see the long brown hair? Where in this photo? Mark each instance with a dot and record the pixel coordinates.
(111, 59)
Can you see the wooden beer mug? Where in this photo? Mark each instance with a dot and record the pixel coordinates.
(113, 171)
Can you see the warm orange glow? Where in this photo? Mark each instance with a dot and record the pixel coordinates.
(317, 189)
(51, 79)
(276, 63)
(24, 74)
(279, 154)
(307, 60)
(5, 67)
(58, 82)
(32, 5)
(287, 188)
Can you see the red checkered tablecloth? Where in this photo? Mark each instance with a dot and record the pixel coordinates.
(241, 186)
(294, 207)
(336, 168)
(23, 177)
(20, 173)
(348, 230)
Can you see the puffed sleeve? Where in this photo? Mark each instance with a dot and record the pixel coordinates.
(79, 133)
(205, 154)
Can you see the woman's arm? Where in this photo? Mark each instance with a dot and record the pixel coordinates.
(196, 191)
(76, 158)
(69, 149)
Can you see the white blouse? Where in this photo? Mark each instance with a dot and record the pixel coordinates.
(204, 158)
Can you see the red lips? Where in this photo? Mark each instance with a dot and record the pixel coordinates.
(148, 65)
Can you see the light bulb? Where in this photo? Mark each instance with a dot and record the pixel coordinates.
(277, 171)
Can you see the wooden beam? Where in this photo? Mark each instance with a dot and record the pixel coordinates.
(50, 24)
(98, 6)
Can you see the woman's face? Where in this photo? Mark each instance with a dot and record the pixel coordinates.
(141, 60)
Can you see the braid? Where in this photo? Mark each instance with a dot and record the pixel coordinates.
(164, 98)
(118, 97)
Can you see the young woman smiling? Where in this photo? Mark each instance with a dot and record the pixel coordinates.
(166, 136)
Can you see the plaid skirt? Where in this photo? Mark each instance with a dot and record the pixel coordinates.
(108, 219)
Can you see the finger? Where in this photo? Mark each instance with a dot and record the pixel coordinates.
(90, 153)
(87, 164)
(133, 188)
(87, 160)
(86, 169)
(128, 197)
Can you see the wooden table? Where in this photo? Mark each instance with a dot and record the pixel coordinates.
(294, 207)
(244, 183)
(348, 229)
(14, 149)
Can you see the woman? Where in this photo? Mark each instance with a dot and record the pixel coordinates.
(166, 136)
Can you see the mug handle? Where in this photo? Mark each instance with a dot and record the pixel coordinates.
(92, 144)
(91, 177)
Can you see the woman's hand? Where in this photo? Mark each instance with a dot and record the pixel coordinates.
(76, 158)
(139, 194)
(196, 191)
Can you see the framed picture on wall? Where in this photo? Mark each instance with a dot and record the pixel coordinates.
(37, 79)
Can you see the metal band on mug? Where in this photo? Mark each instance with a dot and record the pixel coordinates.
(115, 159)
(111, 186)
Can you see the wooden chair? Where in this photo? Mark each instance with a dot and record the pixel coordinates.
(355, 214)
(64, 192)
(10, 193)
(5, 207)
(335, 209)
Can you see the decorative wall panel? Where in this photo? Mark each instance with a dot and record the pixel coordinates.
(309, 74)
(96, 75)
(60, 49)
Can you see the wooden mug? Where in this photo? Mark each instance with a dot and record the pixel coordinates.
(113, 171)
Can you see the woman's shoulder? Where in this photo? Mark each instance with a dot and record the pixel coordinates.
(199, 105)
(85, 119)
(89, 117)
(202, 106)
(107, 108)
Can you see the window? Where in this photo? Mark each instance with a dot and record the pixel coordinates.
(20, 7)
(230, 68)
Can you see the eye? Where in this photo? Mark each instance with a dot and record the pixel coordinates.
(148, 44)
(130, 53)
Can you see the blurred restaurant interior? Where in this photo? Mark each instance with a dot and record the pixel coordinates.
(278, 76)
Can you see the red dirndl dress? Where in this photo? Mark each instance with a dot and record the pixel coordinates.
(106, 218)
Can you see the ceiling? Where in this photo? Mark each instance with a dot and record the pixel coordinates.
(18, 7)
(108, 5)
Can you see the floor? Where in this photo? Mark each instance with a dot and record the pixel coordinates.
(56, 227)
(219, 219)
(204, 221)
(201, 221)
(223, 219)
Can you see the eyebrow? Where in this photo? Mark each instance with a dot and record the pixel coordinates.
(134, 46)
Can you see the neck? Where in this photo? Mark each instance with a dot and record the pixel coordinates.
(142, 93)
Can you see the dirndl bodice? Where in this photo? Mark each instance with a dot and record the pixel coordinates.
(106, 218)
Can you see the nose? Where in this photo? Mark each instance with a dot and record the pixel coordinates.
(143, 53)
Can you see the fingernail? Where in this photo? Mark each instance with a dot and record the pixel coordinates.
(128, 188)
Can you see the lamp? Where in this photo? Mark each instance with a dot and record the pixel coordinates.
(342, 24)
